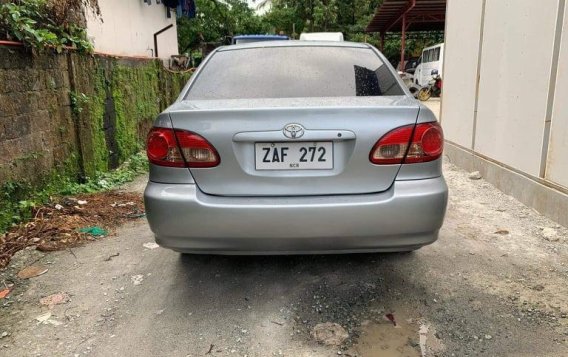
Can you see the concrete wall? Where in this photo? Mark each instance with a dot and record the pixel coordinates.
(505, 82)
(66, 117)
(462, 61)
(127, 28)
(36, 125)
(557, 164)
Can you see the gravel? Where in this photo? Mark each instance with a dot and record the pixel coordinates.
(472, 293)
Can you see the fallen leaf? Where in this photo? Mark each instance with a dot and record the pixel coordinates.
(502, 232)
(5, 292)
(46, 319)
(112, 256)
(32, 271)
(43, 317)
(54, 299)
(390, 317)
(150, 245)
(54, 322)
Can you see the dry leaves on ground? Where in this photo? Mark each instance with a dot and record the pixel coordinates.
(54, 299)
(56, 226)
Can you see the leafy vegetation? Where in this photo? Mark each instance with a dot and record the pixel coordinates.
(19, 198)
(135, 94)
(78, 101)
(216, 21)
(41, 24)
(350, 17)
(134, 166)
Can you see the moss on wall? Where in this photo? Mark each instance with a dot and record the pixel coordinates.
(136, 95)
(96, 156)
(125, 96)
(86, 114)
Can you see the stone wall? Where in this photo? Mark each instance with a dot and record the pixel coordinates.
(71, 116)
(36, 125)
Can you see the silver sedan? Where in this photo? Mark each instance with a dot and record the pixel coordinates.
(291, 147)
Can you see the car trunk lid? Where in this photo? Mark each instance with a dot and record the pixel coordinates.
(348, 127)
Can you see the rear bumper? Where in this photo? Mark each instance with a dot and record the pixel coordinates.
(405, 217)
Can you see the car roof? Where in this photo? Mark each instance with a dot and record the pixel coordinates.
(293, 43)
(260, 36)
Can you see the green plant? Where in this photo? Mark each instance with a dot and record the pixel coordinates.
(18, 198)
(28, 21)
(134, 166)
(215, 21)
(78, 101)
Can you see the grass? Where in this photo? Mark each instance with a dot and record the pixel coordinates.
(14, 211)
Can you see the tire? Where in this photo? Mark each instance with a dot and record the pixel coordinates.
(424, 94)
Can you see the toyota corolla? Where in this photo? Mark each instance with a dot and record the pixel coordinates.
(293, 147)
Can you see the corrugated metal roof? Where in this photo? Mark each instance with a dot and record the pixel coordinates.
(421, 15)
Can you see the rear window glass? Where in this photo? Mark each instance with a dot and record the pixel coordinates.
(238, 41)
(294, 72)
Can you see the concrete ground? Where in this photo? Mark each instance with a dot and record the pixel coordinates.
(434, 104)
(494, 284)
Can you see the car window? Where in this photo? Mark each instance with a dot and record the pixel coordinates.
(294, 72)
(437, 54)
(249, 40)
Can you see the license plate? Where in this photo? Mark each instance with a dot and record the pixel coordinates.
(294, 156)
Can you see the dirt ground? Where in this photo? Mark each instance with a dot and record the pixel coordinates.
(494, 284)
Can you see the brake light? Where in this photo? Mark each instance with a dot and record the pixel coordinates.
(180, 148)
(196, 150)
(393, 148)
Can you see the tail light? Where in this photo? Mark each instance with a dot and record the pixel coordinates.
(180, 148)
(396, 146)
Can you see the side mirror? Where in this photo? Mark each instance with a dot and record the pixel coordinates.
(434, 72)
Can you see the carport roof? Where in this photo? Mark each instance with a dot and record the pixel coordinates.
(421, 15)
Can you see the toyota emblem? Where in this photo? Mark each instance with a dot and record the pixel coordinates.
(293, 131)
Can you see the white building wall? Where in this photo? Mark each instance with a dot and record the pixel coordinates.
(459, 93)
(509, 119)
(516, 61)
(557, 165)
(127, 28)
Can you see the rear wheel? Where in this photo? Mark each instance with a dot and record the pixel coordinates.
(424, 94)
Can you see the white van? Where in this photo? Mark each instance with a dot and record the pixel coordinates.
(321, 36)
(432, 59)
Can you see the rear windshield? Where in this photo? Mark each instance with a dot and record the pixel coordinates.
(294, 72)
(249, 40)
